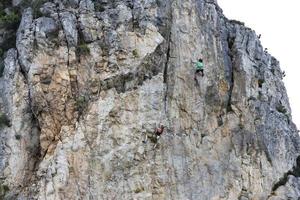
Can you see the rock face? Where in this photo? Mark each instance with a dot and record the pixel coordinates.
(88, 81)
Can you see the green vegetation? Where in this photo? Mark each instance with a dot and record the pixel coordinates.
(99, 5)
(35, 5)
(135, 53)
(9, 42)
(82, 50)
(138, 190)
(82, 103)
(280, 108)
(4, 121)
(10, 20)
(3, 190)
(4, 4)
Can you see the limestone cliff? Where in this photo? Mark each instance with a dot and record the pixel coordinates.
(88, 80)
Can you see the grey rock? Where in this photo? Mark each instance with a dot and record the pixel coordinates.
(11, 64)
(46, 26)
(86, 6)
(92, 79)
(49, 9)
(69, 23)
(19, 140)
(16, 2)
(25, 39)
(46, 31)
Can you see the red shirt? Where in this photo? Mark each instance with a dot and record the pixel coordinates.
(159, 131)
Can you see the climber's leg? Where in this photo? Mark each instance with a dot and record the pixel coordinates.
(146, 138)
(157, 138)
(196, 73)
(202, 72)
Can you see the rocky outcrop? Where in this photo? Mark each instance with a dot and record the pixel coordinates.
(88, 80)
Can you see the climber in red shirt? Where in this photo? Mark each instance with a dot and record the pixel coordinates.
(157, 133)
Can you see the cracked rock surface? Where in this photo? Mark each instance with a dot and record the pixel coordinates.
(88, 80)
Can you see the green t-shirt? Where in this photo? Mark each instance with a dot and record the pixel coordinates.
(199, 65)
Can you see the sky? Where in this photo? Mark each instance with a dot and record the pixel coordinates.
(278, 22)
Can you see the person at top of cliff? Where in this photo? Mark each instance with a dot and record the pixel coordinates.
(259, 36)
(199, 67)
(283, 74)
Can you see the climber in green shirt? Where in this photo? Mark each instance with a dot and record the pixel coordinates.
(199, 67)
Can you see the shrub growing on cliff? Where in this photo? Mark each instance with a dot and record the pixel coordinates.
(81, 103)
(135, 53)
(3, 190)
(5, 3)
(280, 108)
(35, 5)
(10, 20)
(82, 50)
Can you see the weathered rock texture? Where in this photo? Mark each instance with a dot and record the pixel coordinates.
(89, 79)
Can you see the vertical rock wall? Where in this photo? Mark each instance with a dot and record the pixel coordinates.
(88, 81)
